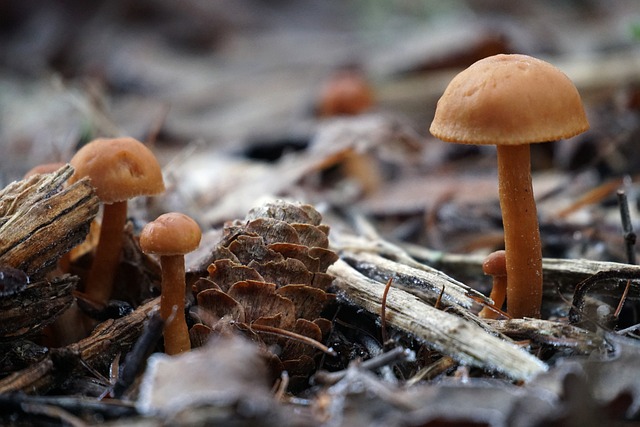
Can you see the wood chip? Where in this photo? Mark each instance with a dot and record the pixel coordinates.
(40, 220)
(462, 340)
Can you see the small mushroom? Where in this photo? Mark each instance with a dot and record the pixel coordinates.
(43, 168)
(346, 93)
(172, 235)
(512, 101)
(120, 169)
(495, 265)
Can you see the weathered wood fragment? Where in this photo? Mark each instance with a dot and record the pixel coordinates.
(562, 273)
(97, 351)
(451, 335)
(41, 219)
(38, 305)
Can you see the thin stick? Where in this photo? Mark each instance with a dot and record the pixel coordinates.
(264, 329)
(136, 358)
(53, 412)
(581, 289)
(394, 355)
(439, 300)
(623, 298)
(627, 227)
(383, 311)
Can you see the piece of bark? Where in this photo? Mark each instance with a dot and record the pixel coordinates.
(451, 335)
(556, 334)
(562, 273)
(430, 286)
(97, 351)
(41, 219)
(39, 304)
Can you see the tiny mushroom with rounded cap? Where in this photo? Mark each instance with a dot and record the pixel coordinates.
(495, 265)
(119, 169)
(43, 168)
(346, 93)
(512, 101)
(172, 235)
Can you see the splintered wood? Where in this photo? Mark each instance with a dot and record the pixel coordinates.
(38, 305)
(41, 219)
(449, 334)
(96, 351)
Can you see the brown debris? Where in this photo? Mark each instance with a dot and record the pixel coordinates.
(274, 286)
(39, 304)
(40, 220)
(97, 351)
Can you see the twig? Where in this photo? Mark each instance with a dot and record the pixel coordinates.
(627, 227)
(628, 330)
(265, 329)
(383, 309)
(428, 285)
(463, 340)
(577, 306)
(553, 334)
(53, 412)
(394, 355)
(139, 353)
(623, 298)
(438, 303)
(439, 366)
(280, 388)
(20, 403)
(594, 196)
(562, 273)
(97, 350)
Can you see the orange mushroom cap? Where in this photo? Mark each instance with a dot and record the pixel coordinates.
(495, 264)
(172, 233)
(347, 93)
(119, 168)
(43, 168)
(510, 100)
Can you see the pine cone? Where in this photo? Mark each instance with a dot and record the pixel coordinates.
(268, 275)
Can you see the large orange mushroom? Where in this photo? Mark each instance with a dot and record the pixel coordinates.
(120, 169)
(512, 101)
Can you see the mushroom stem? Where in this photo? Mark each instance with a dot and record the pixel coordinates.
(521, 232)
(176, 334)
(498, 294)
(494, 265)
(105, 263)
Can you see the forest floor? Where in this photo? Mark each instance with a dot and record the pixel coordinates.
(229, 98)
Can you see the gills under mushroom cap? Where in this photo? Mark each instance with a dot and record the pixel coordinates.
(119, 168)
(510, 100)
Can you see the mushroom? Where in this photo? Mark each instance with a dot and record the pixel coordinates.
(512, 101)
(346, 93)
(43, 168)
(495, 265)
(172, 235)
(120, 169)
